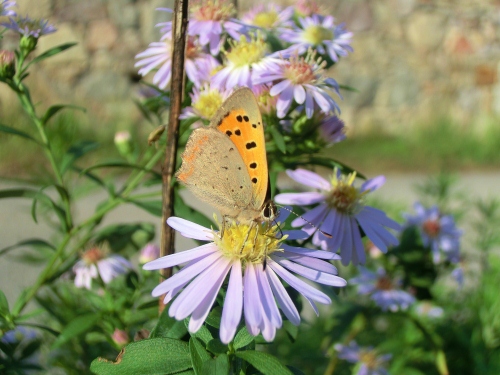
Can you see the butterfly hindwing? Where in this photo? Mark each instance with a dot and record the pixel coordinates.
(239, 119)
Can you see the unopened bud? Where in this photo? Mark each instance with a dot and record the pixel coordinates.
(7, 64)
(156, 134)
(123, 143)
(120, 337)
(149, 253)
(27, 44)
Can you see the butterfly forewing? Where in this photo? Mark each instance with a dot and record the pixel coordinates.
(215, 172)
(239, 119)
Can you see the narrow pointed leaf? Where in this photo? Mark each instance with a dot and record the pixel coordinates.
(51, 52)
(56, 108)
(265, 363)
(13, 131)
(76, 327)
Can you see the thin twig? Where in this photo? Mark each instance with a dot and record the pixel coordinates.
(180, 23)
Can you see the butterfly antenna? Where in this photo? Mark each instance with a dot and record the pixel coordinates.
(328, 235)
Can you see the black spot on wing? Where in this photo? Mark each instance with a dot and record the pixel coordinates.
(253, 165)
(246, 118)
(229, 133)
(254, 125)
(237, 132)
(239, 118)
(254, 180)
(251, 145)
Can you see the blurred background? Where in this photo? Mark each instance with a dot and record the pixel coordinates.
(426, 74)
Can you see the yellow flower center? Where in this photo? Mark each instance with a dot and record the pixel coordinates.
(266, 19)
(251, 243)
(317, 34)
(369, 358)
(344, 197)
(247, 52)
(212, 10)
(304, 70)
(208, 103)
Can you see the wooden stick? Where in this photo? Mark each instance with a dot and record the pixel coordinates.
(179, 29)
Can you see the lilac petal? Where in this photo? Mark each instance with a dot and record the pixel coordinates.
(283, 214)
(186, 274)
(284, 102)
(268, 303)
(309, 106)
(200, 313)
(300, 199)
(279, 87)
(233, 304)
(173, 292)
(314, 216)
(379, 216)
(358, 253)
(311, 253)
(302, 287)
(372, 234)
(373, 184)
(346, 246)
(189, 229)
(284, 301)
(314, 263)
(182, 257)
(251, 300)
(317, 276)
(313, 305)
(295, 234)
(309, 178)
(299, 94)
(334, 224)
(194, 294)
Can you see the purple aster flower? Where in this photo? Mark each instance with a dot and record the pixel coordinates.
(149, 253)
(341, 209)
(369, 360)
(210, 20)
(320, 33)
(246, 60)
(458, 275)
(29, 27)
(94, 263)
(205, 101)
(253, 267)
(301, 79)
(332, 130)
(159, 54)
(4, 8)
(269, 16)
(427, 309)
(438, 232)
(384, 291)
(17, 335)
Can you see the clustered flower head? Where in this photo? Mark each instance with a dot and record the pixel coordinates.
(383, 290)
(368, 359)
(254, 268)
(5, 8)
(340, 213)
(29, 27)
(438, 232)
(97, 262)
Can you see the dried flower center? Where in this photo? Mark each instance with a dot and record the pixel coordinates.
(304, 70)
(93, 255)
(248, 242)
(369, 358)
(384, 283)
(246, 52)
(208, 103)
(266, 19)
(192, 48)
(317, 34)
(344, 197)
(431, 228)
(215, 10)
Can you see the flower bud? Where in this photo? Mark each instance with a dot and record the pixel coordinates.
(7, 64)
(149, 253)
(120, 337)
(123, 143)
(27, 44)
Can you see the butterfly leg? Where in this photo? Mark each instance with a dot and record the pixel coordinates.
(223, 227)
(250, 227)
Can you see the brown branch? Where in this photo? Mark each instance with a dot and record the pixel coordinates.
(179, 29)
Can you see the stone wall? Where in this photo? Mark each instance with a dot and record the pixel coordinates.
(413, 60)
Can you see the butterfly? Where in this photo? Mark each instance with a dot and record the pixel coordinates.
(225, 164)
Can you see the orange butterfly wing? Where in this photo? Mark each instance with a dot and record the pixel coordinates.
(240, 119)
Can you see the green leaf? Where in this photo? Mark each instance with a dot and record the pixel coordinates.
(217, 366)
(56, 108)
(184, 211)
(76, 327)
(9, 130)
(154, 207)
(348, 88)
(198, 356)
(34, 242)
(147, 357)
(331, 163)
(51, 52)
(168, 327)
(4, 304)
(41, 326)
(120, 164)
(278, 139)
(242, 338)
(214, 317)
(265, 363)
(120, 236)
(216, 346)
(75, 152)
(203, 333)
(295, 371)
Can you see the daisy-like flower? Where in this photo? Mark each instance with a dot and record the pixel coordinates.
(28, 27)
(341, 209)
(159, 54)
(269, 16)
(384, 291)
(95, 262)
(331, 130)
(5, 10)
(438, 232)
(246, 60)
(301, 79)
(369, 360)
(205, 101)
(254, 256)
(320, 33)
